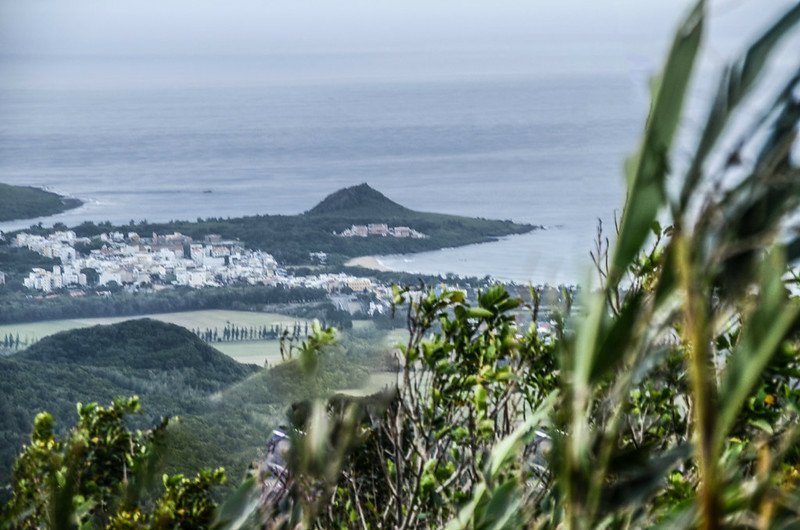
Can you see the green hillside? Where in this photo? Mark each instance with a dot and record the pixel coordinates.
(290, 238)
(141, 344)
(358, 200)
(26, 202)
(171, 369)
(226, 409)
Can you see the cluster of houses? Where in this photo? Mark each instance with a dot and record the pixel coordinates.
(381, 229)
(134, 260)
(160, 261)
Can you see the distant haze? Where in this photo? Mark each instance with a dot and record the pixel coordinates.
(200, 27)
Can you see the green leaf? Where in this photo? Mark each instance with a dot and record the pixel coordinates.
(502, 506)
(238, 508)
(735, 84)
(507, 447)
(647, 170)
(501, 454)
(467, 513)
(615, 339)
(479, 312)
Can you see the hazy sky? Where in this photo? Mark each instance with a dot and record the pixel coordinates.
(202, 27)
(313, 41)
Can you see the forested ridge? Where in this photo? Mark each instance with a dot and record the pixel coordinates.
(26, 202)
(17, 307)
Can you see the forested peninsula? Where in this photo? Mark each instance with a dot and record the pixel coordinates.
(327, 227)
(27, 202)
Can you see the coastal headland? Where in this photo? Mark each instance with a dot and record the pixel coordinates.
(27, 202)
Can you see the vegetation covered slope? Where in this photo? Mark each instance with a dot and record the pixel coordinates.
(167, 365)
(142, 344)
(358, 200)
(226, 409)
(290, 238)
(26, 202)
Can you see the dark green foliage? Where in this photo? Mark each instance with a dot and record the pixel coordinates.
(408, 458)
(138, 344)
(101, 475)
(25, 202)
(357, 200)
(17, 263)
(225, 408)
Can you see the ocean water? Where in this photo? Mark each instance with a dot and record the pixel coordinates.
(176, 139)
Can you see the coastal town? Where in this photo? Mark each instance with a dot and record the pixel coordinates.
(134, 262)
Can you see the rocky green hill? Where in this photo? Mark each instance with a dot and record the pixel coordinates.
(358, 200)
(26, 202)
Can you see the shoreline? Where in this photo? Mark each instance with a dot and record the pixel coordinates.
(65, 204)
(368, 262)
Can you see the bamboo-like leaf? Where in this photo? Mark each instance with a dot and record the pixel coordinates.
(735, 83)
(648, 169)
(502, 508)
(615, 339)
(467, 513)
(638, 481)
(238, 510)
(507, 447)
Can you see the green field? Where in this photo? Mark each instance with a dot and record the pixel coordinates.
(252, 352)
(189, 319)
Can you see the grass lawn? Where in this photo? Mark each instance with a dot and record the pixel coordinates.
(252, 352)
(363, 324)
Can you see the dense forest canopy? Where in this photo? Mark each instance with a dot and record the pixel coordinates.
(25, 202)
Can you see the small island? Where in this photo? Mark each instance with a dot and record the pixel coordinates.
(27, 202)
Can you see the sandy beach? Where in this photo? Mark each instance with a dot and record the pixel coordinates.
(368, 262)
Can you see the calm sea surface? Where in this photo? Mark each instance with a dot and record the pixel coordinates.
(148, 139)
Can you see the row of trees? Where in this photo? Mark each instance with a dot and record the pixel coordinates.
(12, 342)
(234, 333)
